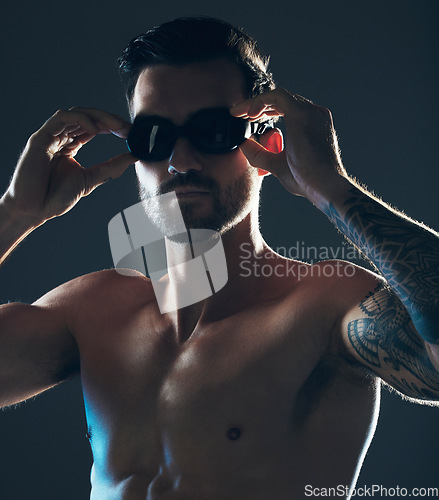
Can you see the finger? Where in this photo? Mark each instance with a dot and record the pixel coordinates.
(76, 122)
(266, 113)
(274, 100)
(259, 157)
(63, 121)
(71, 142)
(108, 122)
(74, 144)
(71, 129)
(52, 135)
(278, 101)
(110, 169)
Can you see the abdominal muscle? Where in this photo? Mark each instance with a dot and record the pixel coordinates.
(281, 474)
(274, 457)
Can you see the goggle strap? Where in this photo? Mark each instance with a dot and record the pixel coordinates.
(258, 128)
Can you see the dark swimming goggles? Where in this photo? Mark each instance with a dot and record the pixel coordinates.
(213, 130)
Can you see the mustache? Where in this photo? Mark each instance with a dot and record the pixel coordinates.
(191, 178)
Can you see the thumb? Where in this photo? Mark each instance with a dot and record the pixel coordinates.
(260, 157)
(109, 169)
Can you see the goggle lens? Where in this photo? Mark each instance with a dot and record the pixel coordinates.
(151, 138)
(214, 131)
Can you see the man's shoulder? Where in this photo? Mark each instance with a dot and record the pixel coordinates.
(323, 282)
(315, 300)
(341, 274)
(101, 286)
(324, 274)
(97, 301)
(112, 277)
(333, 285)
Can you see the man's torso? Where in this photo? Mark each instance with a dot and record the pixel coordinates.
(254, 403)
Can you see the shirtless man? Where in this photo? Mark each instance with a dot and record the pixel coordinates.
(272, 383)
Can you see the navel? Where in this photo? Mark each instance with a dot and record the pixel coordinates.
(234, 433)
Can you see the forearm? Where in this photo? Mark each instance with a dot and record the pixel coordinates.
(13, 228)
(405, 252)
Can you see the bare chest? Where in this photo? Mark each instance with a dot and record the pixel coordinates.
(237, 391)
(141, 385)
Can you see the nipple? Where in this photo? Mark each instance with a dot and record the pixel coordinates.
(234, 433)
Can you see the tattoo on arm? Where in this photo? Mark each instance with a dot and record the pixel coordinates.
(384, 338)
(406, 253)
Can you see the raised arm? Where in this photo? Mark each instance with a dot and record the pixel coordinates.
(394, 331)
(379, 333)
(37, 349)
(48, 181)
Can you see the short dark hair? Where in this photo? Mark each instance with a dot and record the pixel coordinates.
(187, 40)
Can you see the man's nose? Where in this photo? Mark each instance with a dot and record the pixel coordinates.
(184, 157)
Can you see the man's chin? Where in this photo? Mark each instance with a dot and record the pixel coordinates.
(213, 224)
(200, 217)
(194, 235)
(203, 223)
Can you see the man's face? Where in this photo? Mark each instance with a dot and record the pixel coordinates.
(214, 191)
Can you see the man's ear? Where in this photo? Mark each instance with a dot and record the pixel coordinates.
(273, 141)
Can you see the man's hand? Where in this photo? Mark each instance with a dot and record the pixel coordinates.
(311, 157)
(48, 181)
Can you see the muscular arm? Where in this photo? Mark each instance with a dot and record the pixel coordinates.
(405, 252)
(395, 333)
(379, 333)
(37, 350)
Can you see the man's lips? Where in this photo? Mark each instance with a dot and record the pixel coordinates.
(185, 191)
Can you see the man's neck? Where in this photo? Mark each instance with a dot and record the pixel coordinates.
(243, 241)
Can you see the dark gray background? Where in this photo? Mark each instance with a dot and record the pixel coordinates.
(373, 64)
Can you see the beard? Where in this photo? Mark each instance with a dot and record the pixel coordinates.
(228, 207)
